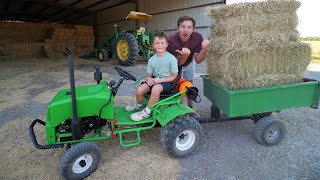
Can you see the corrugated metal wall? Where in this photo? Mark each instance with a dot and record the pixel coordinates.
(109, 17)
(165, 15)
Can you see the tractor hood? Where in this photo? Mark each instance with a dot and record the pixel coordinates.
(89, 101)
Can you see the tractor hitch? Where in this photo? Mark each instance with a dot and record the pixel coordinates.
(34, 139)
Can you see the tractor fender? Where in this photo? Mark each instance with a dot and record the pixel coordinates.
(166, 115)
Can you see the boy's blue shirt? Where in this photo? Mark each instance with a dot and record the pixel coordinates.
(162, 66)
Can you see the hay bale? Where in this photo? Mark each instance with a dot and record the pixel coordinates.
(257, 23)
(257, 8)
(224, 44)
(256, 45)
(245, 67)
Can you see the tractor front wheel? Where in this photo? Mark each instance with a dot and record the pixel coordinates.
(102, 55)
(181, 136)
(80, 161)
(127, 49)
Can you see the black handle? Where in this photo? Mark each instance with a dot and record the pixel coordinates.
(34, 139)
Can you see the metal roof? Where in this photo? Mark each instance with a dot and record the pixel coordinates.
(56, 11)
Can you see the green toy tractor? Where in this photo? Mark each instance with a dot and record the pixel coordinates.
(126, 45)
(80, 115)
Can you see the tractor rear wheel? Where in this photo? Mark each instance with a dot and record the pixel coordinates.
(102, 55)
(181, 136)
(127, 49)
(80, 161)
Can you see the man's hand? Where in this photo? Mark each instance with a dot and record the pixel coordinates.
(205, 44)
(185, 52)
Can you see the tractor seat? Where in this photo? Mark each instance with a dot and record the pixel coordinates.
(141, 30)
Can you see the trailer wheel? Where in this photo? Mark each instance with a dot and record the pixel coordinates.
(181, 136)
(80, 161)
(102, 55)
(269, 131)
(127, 49)
(257, 117)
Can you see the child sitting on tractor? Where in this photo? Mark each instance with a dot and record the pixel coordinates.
(162, 70)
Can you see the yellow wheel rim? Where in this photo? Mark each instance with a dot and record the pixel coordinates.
(123, 50)
(100, 55)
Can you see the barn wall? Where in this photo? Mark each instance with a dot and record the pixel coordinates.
(106, 20)
(166, 13)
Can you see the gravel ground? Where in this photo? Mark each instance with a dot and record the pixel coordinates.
(228, 150)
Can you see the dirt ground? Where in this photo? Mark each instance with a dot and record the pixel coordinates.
(228, 150)
(27, 88)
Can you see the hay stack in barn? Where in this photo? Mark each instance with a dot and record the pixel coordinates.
(256, 45)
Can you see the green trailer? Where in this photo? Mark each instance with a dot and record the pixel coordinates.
(258, 104)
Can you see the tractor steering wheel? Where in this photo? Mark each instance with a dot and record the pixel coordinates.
(125, 74)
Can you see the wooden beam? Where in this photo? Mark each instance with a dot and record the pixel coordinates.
(6, 5)
(57, 12)
(57, 19)
(26, 5)
(63, 6)
(95, 4)
(74, 3)
(118, 4)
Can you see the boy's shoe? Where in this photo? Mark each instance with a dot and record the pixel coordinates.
(140, 115)
(132, 107)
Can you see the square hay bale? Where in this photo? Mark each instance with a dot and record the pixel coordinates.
(257, 8)
(256, 44)
(260, 66)
(233, 26)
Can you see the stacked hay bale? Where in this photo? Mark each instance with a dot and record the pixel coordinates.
(27, 40)
(79, 38)
(256, 45)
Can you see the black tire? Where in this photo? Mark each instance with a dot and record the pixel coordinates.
(257, 117)
(173, 136)
(269, 131)
(127, 49)
(215, 112)
(102, 55)
(80, 161)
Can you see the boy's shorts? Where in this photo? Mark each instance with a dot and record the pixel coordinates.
(188, 72)
(166, 86)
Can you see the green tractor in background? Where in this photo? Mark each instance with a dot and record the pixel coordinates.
(126, 45)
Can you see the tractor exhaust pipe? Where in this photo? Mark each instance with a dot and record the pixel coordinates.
(76, 131)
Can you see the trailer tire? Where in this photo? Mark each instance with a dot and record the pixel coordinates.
(102, 55)
(127, 49)
(80, 161)
(258, 116)
(269, 131)
(181, 136)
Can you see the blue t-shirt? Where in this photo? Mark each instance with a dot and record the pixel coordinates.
(162, 66)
